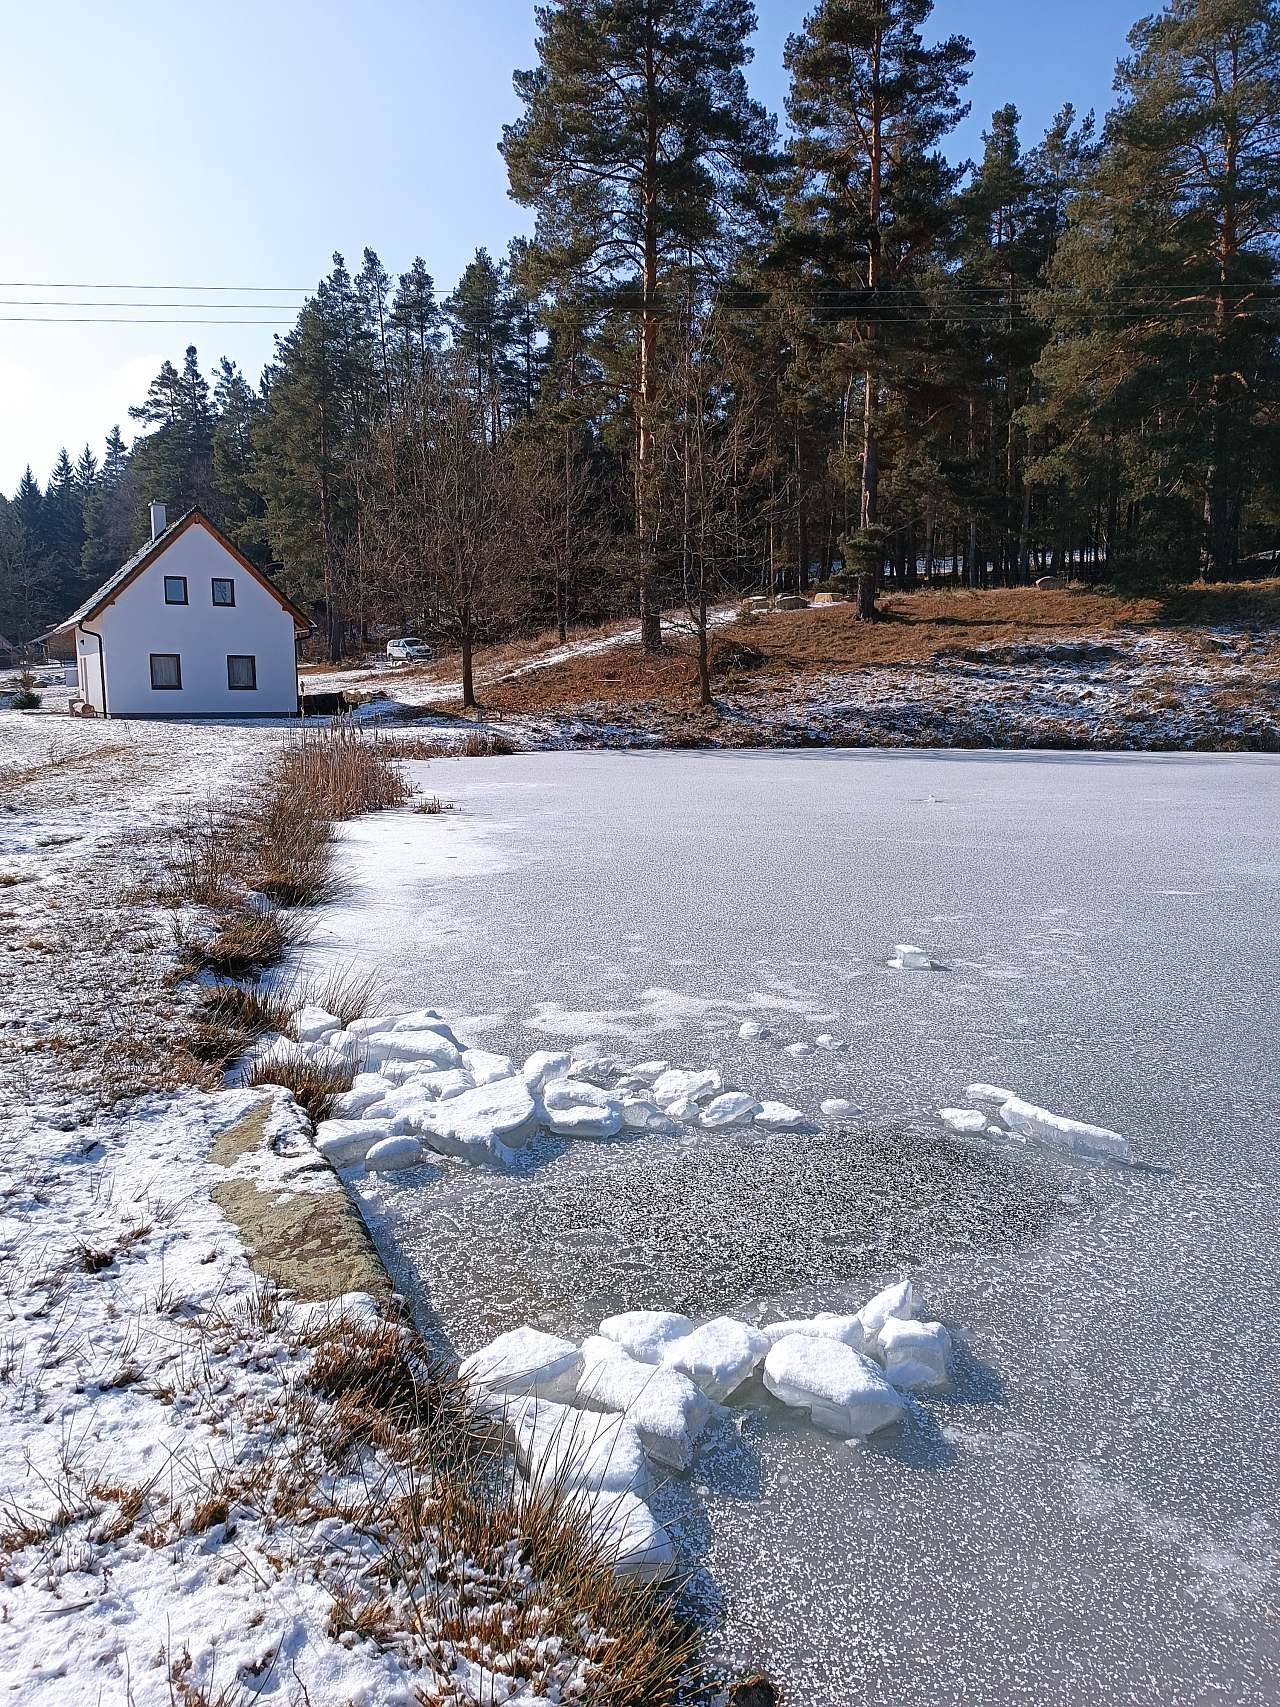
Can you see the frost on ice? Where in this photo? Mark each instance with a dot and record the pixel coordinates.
(907, 957)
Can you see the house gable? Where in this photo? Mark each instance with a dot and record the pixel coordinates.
(141, 561)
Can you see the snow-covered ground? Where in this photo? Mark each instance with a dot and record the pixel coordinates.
(1092, 1512)
(187, 1513)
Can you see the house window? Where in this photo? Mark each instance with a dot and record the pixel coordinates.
(242, 672)
(166, 669)
(224, 590)
(175, 589)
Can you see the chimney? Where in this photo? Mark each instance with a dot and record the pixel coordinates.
(157, 519)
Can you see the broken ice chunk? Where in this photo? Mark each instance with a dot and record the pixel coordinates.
(987, 1093)
(717, 1357)
(915, 1353)
(525, 1361)
(752, 1030)
(543, 1065)
(839, 1108)
(312, 1024)
(1029, 1121)
(557, 1446)
(484, 1066)
(798, 1049)
(833, 1045)
(586, 1120)
(485, 1124)
(646, 1334)
(667, 1409)
(781, 1117)
(841, 1390)
(627, 1534)
(427, 1046)
(345, 1141)
(731, 1108)
(678, 1082)
(963, 1119)
(896, 1300)
(824, 1326)
(366, 1089)
(908, 958)
(389, 1153)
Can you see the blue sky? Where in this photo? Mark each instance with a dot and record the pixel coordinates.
(240, 144)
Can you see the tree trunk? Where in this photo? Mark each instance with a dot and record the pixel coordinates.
(650, 607)
(468, 682)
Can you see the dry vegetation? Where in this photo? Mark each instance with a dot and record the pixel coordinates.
(913, 630)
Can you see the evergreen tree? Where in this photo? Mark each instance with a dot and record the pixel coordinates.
(237, 408)
(639, 147)
(481, 313)
(1160, 301)
(869, 103)
(416, 324)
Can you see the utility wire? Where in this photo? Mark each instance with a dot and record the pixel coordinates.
(247, 290)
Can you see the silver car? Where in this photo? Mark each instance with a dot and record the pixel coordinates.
(405, 650)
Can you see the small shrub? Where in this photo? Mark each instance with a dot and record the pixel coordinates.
(26, 698)
(433, 805)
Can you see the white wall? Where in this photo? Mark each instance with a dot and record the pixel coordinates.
(139, 623)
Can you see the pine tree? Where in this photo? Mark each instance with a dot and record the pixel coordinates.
(237, 408)
(110, 514)
(639, 148)
(416, 324)
(869, 103)
(1160, 302)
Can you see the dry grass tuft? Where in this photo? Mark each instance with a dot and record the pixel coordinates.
(249, 941)
(475, 744)
(249, 1009)
(316, 1086)
(433, 805)
(340, 773)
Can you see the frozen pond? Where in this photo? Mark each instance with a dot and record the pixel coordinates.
(1093, 1514)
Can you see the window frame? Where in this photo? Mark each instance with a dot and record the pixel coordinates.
(243, 687)
(228, 581)
(184, 600)
(166, 687)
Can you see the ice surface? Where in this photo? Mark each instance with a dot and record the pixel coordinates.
(1029, 1121)
(667, 1409)
(525, 1362)
(915, 1354)
(678, 1082)
(646, 1334)
(841, 1390)
(730, 1108)
(1076, 981)
(558, 1445)
(963, 1119)
(389, 1153)
(799, 1048)
(485, 1124)
(717, 1357)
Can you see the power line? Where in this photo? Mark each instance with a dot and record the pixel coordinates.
(140, 320)
(77, 302)
(246, 290)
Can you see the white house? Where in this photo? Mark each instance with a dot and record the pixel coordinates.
(187, 628)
